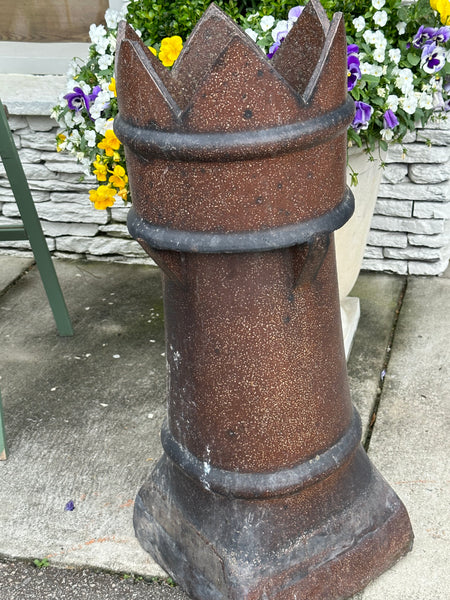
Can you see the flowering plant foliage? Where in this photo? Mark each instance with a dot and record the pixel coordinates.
(86, 112)
(398, 58)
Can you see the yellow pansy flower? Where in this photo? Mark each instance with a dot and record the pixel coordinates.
(152, 50)
(109, 143)
(102, 197)
(118, 178)
(100, 170)
(123, 193)
(443, 8)
(112, 86)
(60, 138)
(170, 50)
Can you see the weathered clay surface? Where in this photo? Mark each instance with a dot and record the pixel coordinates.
(237, 170)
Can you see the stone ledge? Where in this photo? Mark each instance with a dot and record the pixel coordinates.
(31, 94)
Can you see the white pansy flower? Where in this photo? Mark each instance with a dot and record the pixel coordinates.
(409, 103)
(252, 34)
(392, 102)
(78, 119)
(379, 40)
(401, 27)
(378, 55)
(395, 55)
(267, 22)
(79, 156)
(109, 124)
(366, 68)
(369, 36)
(105, 61)
(112, 17)
(102, 45)
(85, 87)
(404, 80)
(386, 134)
(97, 33)
(425, 101)
(90, 136)
(380, 18)
(100, 103)
(100, 126)
(281, 27)
(68, 119)
(377, 70)
(71, 83)
(381, 92)
(378, 4)
(95, 113)
(75, 137)
(112, 42)
(359, 23)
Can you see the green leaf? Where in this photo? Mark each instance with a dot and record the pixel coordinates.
(413, 59)
(372, 79)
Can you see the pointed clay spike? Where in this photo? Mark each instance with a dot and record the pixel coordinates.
(328, 83)
(242, 91)
(297, 57)
(126, 32)
(142, 97)
(207, 40)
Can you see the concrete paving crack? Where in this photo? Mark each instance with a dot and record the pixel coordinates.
(385, 365)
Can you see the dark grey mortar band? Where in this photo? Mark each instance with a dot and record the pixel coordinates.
(265, 485)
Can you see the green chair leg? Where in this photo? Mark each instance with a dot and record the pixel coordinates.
(3, 446)
(32, 229)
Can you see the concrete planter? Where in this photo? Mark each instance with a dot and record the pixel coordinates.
(351, 239)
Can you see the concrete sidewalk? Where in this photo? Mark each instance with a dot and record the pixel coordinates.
(83, 415)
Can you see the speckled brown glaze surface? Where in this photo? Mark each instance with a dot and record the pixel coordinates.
(237, 172)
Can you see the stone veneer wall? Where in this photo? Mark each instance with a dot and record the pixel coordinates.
(410, 229)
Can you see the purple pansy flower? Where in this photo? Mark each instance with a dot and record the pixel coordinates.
(353, 71)
(282, 29)
(95, 92)
(389, 119)
(295, 12)
(363, 112)
(423, 36)
(442, 35)
(273, 48)
(70, 506)
(352, 49)
(433, 58)
(77, 100)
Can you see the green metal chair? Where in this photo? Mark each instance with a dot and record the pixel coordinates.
(30, 230)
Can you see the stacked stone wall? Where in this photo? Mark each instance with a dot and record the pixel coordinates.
(72, 226)
(410, 231)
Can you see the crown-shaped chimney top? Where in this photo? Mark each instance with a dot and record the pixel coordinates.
(222, 81)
